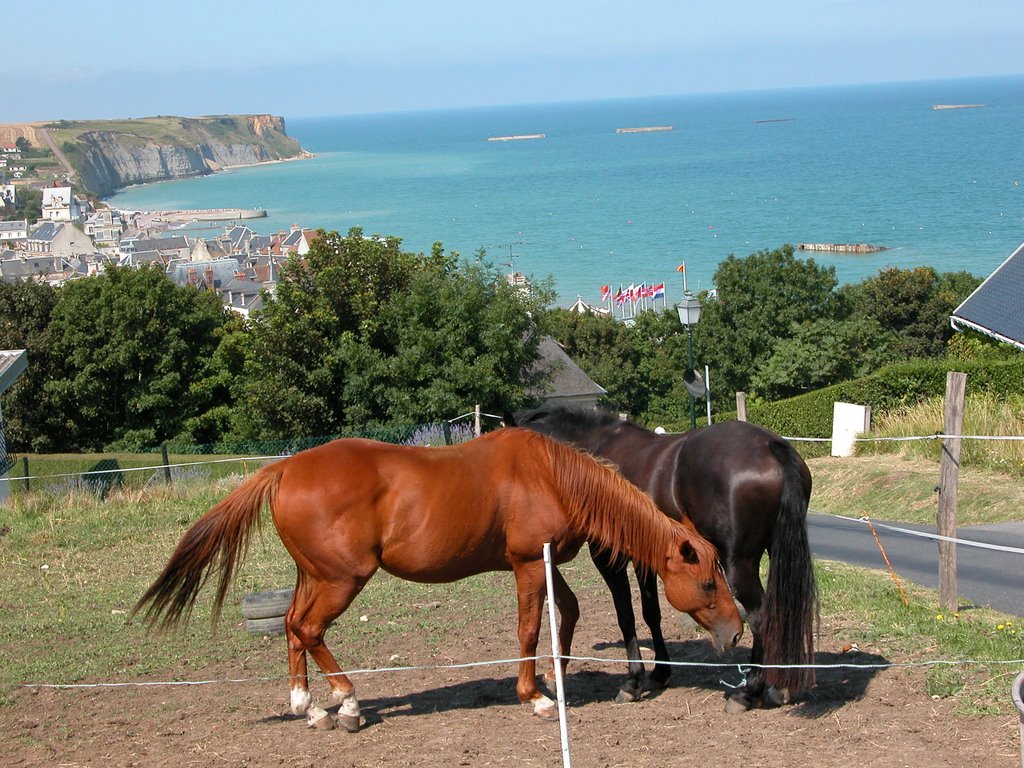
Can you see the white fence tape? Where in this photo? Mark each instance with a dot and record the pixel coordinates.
(927, 535)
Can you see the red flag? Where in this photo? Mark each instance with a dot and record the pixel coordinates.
(606, 293)
(681, 267)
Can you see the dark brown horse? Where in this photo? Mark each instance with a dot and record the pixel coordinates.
(746, 490)
(349, 507)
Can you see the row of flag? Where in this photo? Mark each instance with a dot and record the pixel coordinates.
(634, 293)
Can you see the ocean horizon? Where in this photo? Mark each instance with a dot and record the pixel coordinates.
(590, 206)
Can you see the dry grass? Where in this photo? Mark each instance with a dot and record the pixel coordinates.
(903, 488)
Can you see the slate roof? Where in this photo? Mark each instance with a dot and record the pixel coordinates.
(996, 308)
(569, 382)
(12, 363)
(24, 267)
(222, 270)
(173, 243)
(45, 232)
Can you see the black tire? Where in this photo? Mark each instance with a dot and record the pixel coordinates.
(271, 626)
(267, 605)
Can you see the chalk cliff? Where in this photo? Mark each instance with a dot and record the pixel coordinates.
(160, 149)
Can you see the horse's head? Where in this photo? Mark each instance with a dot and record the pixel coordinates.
(698, 587)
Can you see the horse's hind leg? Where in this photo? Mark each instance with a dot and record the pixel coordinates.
(306, 623)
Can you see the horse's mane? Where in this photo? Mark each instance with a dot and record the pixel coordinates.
(572, 424)
(615, 514)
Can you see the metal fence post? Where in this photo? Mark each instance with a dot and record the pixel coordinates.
(24, 464)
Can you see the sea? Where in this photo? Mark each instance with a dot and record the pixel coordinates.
(589, 206)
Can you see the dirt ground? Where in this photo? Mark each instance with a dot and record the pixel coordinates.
(455, 717)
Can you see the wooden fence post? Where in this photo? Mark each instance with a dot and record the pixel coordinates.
(476, 421)
(24, 464)
(949, 475)
(167, 464)
(741, 406)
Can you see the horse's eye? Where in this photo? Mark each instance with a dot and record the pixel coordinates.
(709, 585)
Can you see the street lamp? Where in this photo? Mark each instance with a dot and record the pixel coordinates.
(689, 315)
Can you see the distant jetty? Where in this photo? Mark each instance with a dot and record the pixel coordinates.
(210, 214)
(520, 137)
(776, 120)
(842, 247)
(645, 129)
(957, 106)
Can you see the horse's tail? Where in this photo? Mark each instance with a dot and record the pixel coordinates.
(791, 599)
(216, 542)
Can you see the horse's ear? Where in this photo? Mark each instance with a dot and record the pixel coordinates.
(689, 554)
(509, 418)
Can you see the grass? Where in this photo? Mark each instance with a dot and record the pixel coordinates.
(871, 612)
(63, 472)
(73, 567)
(902, 488)
(984, 415)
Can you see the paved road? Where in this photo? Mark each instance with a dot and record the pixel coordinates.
(984, 576)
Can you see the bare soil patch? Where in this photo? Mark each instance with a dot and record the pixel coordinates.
(451, 717)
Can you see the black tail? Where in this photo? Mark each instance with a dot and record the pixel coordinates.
(791, 599)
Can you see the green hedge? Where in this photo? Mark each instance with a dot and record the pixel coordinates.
(891, 387)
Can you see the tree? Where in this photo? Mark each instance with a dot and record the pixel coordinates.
(913, 303)
(25, 311)
(28, 204)
(361, 333)
(22, 144)
(640, 365)
(760, 300)
(822, 352)
(602, 347)
(129, 345)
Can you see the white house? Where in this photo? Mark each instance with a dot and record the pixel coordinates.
(11, 231)
(104, 226)
(59, 204)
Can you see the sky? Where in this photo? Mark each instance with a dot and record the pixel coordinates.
(102, 59)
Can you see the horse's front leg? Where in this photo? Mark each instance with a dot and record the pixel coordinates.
(650, 604)
(617, 579)
(569, 614)
(530, 590)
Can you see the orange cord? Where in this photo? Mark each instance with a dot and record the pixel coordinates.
(885, 557)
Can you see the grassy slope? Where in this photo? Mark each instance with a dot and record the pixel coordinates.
(73, 567)
(902, 488)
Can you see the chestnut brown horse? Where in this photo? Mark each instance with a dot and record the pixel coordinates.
(349, 507)
(746, 489)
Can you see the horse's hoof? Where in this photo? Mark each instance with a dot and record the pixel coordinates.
(350, 723)
(626, 696)
(776, 697)
(736, 705)
(545, 708)
(320, 719)
(656, 682)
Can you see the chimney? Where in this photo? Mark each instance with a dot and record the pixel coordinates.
(209, 278)
(192, 278)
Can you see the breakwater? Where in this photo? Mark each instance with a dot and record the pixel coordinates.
(842, 247)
